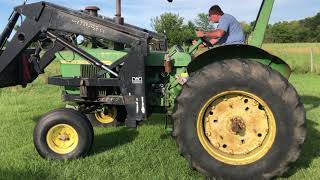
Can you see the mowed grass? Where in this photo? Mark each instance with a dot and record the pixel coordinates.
(120, 153)
(298, 55)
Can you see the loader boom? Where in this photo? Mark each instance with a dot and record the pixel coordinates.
(20, 65)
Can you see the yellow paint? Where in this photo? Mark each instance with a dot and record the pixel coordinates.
(83, 62)
(184, 75)
(107, 118)
(255, 132)
(62, 139)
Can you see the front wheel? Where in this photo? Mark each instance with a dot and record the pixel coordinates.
(238, 119)
(63, 134)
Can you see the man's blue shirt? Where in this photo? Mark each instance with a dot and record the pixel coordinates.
(233, 30)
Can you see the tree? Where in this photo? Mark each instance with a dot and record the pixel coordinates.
(247, 28)
(173, 27)
(188, 33)
(306, 30)
(203, 23)
(313, 24)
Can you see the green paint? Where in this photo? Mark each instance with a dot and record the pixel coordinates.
(155, 58)
(257, 36)
(70, 70)
(181, 60)
(196, 46)
(240, 52)
(101, 54)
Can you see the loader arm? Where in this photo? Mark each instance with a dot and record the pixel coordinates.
(20, 65)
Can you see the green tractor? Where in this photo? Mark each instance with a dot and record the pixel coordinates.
(233, 113)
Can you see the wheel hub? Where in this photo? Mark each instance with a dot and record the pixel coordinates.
(238, 127)
(62, 138)
(107, 117)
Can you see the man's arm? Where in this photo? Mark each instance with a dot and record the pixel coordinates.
(216, 34)
(212, 41)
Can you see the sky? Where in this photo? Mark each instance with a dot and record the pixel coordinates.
(139, 12)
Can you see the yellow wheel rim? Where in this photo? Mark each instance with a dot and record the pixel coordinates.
(107, 118)
(236, 127)
(62, 138)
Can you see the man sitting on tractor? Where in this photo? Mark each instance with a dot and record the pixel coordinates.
(229, 30)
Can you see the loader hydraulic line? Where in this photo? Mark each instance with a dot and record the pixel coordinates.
(82, 53)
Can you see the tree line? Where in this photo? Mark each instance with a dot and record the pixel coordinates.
(178, 32)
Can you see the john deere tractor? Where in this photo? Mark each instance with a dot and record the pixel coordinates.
(233, 112)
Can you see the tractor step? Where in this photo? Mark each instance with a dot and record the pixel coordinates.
(108, 100)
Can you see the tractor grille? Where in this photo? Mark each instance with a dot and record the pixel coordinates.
(89, 71)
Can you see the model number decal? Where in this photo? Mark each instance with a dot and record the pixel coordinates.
(136, 80)
(88, 25)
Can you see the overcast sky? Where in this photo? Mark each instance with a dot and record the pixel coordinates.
(139, 12)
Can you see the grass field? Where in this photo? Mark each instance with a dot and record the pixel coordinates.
(298, 55)
(121, 153)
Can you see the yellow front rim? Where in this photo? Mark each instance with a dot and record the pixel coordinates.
(108, 117)
(236, 127)
(62, 138)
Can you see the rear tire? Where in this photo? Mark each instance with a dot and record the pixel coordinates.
(63, 134)
(267, 158)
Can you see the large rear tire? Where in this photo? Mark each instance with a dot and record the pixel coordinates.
(239, 119)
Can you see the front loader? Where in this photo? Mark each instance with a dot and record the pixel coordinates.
(233, 113)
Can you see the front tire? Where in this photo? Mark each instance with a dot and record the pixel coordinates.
(239, 119)
(63, 134)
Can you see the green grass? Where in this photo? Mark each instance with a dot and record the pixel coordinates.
(297, 55)
(121, 153)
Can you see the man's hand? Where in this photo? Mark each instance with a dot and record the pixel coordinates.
(194, 42)
(200, 34)
(214, 41)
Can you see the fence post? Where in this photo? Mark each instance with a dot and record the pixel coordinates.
(311, 60)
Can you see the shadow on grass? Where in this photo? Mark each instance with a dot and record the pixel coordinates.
(310, 149)
(111, 140)
(20, 174)
(312, 101)
(156, 119)
(36, 118)
(159, 119)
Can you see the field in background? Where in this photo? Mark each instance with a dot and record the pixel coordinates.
(121, 153)
(300, 56)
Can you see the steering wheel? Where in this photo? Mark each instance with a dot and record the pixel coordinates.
(206, 42)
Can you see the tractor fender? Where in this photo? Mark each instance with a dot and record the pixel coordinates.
(240, 51)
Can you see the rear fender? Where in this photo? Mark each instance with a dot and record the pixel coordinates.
(240, 51)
